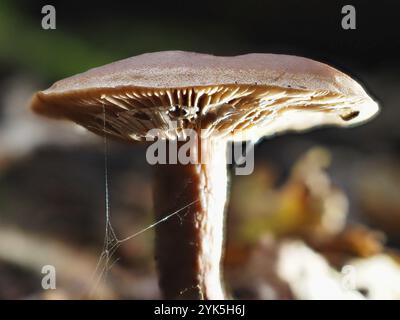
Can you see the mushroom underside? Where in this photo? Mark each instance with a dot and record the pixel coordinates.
(223, 111)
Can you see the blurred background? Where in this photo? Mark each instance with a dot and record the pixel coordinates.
(318, 219)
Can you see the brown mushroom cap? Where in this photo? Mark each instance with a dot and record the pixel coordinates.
(253, 94)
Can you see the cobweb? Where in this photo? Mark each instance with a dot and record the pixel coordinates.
(111, 242)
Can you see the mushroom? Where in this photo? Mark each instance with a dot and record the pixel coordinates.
(255, 95)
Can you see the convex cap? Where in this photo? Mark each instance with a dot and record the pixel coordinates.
(252, 96)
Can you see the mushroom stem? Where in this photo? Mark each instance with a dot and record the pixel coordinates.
(188, 246)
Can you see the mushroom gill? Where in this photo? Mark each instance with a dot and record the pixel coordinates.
(221, 110)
